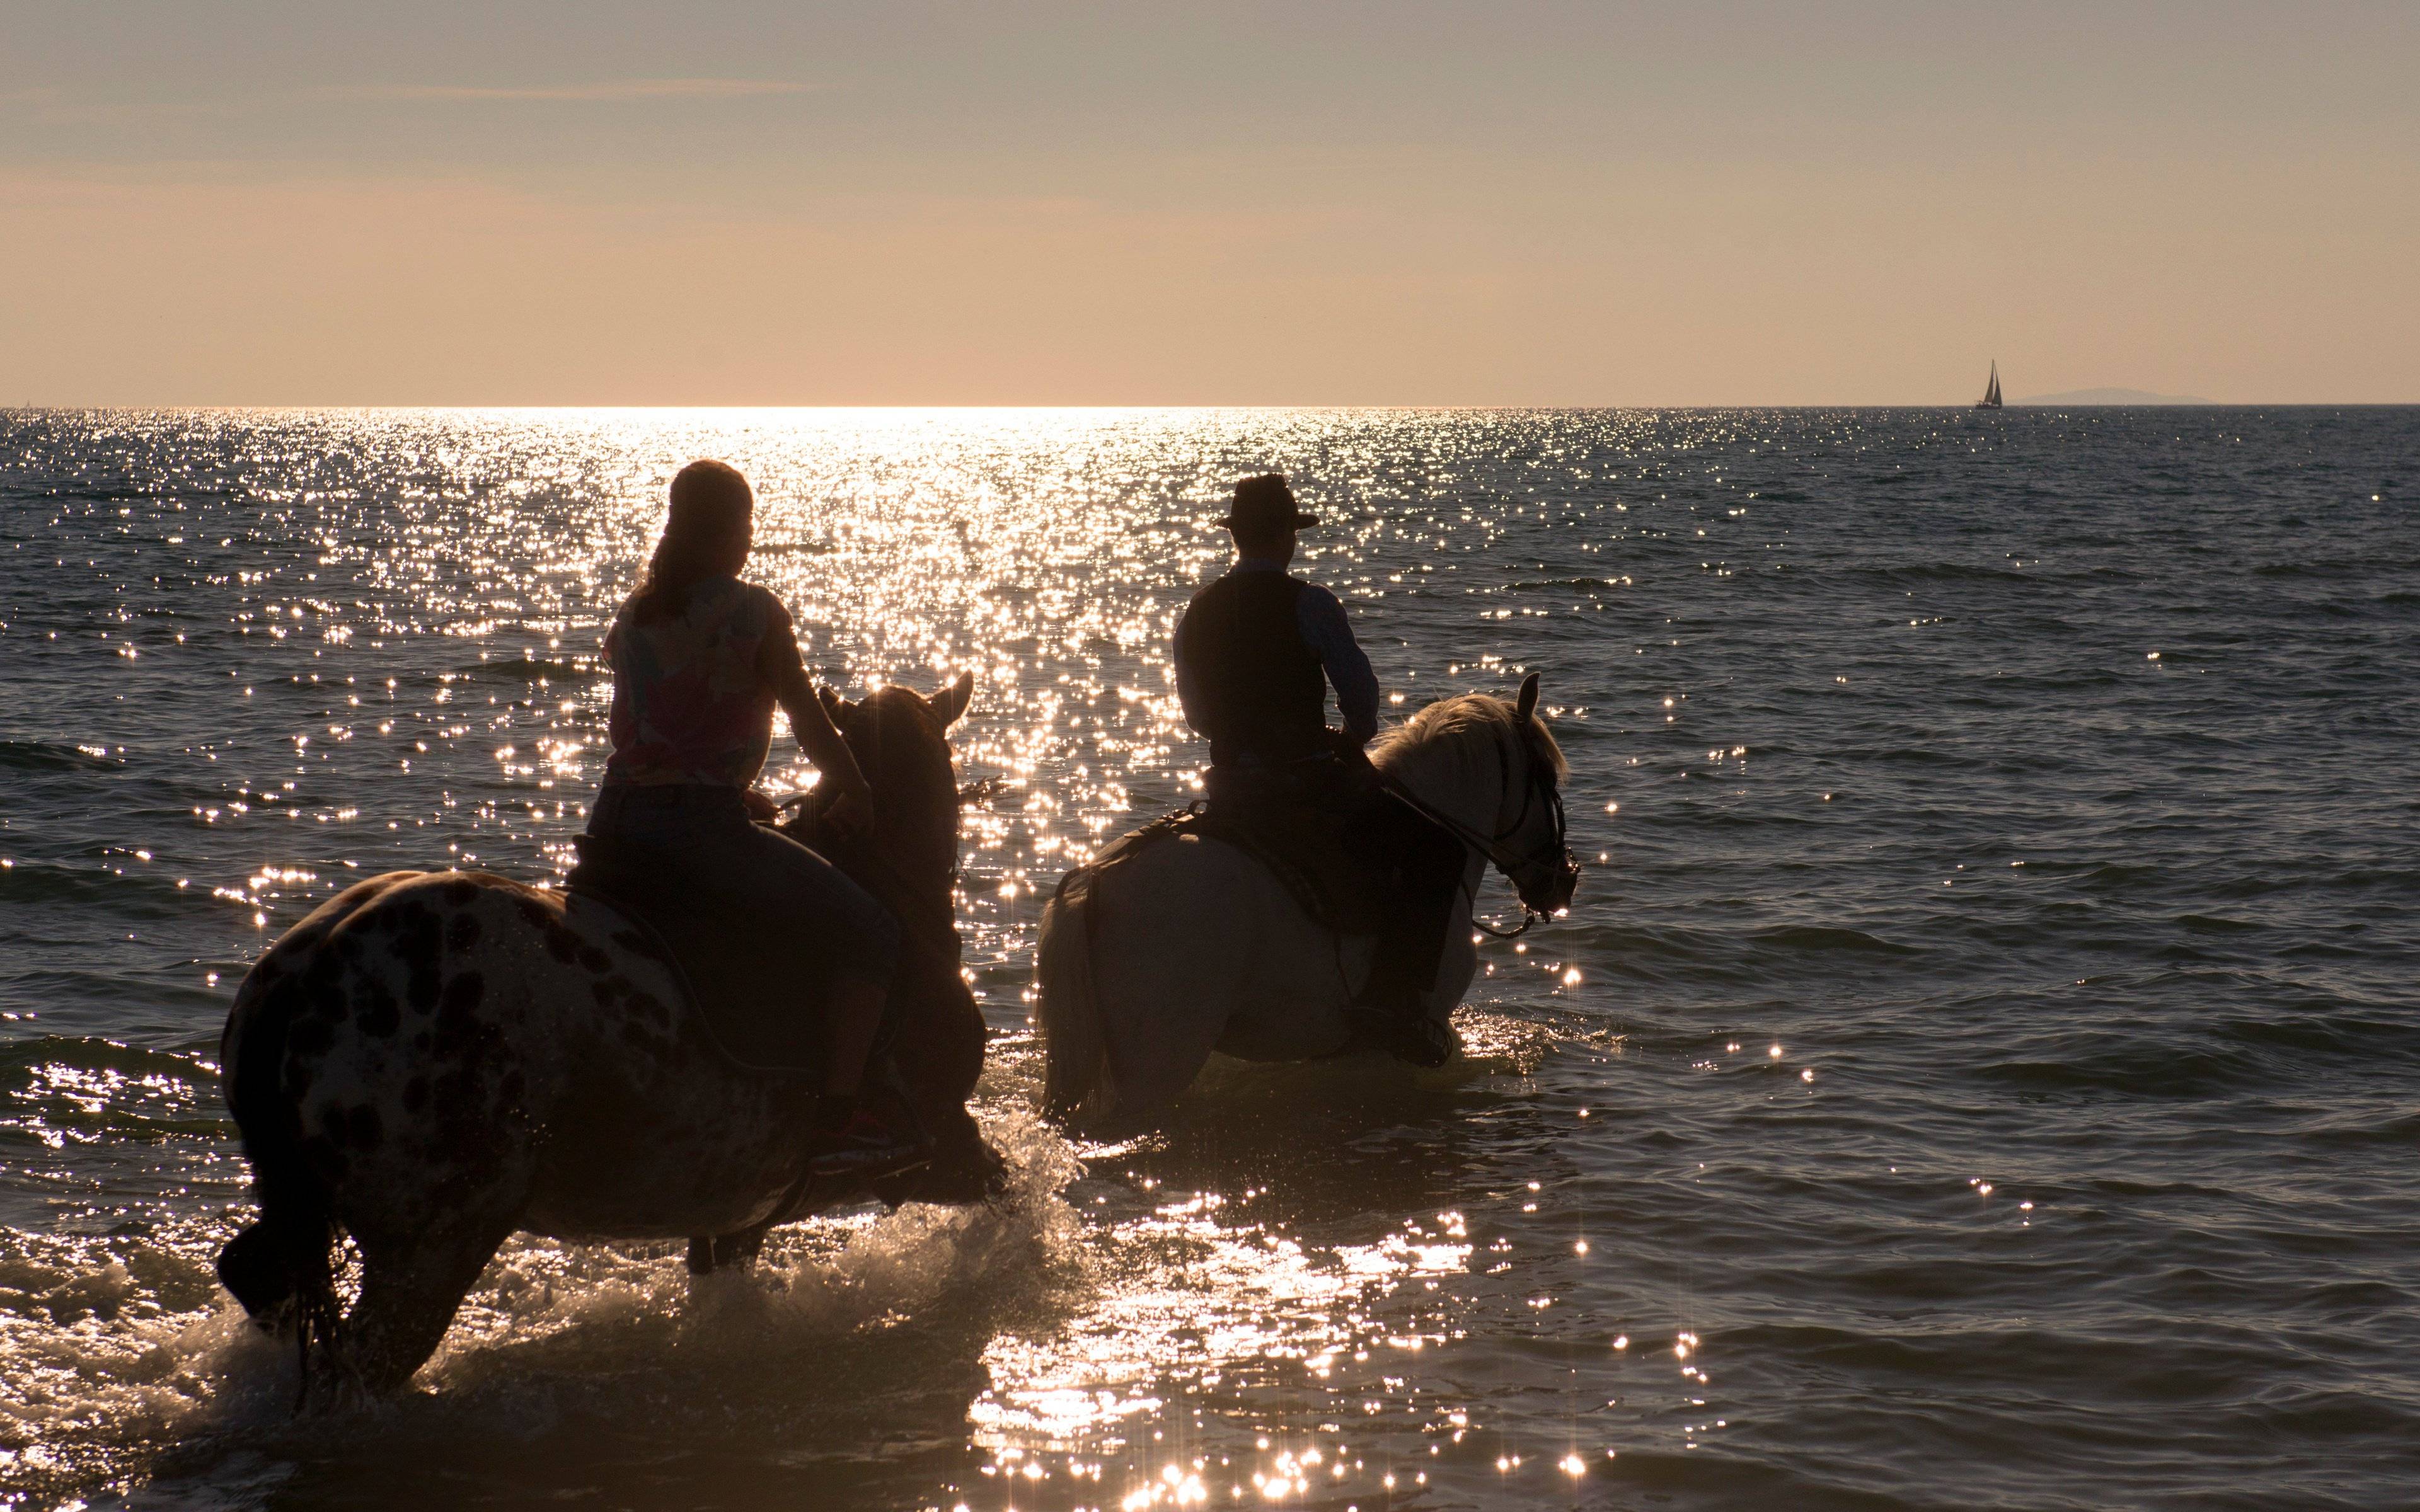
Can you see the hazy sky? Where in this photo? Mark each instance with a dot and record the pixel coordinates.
(1305, 202)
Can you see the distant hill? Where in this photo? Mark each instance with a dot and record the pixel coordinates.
(2091, 397)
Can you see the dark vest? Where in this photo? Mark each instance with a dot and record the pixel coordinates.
(1260, 693)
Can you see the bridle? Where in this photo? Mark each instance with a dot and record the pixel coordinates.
(1554, 850)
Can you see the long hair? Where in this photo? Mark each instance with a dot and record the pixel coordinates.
(709, 498)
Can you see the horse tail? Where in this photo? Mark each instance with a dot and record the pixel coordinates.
(1077, 1079)
(280, 1268)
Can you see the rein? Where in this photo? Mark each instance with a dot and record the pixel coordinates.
(1492, 846)
(915, 907)
(1528, 916)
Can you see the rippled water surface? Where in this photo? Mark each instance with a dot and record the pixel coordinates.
(1982, 1067)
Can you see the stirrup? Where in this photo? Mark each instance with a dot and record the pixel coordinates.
(868, 1147)
(1412, 1038)
(1426, 1043)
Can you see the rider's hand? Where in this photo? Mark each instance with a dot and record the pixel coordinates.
(760, 808)
(851, 806)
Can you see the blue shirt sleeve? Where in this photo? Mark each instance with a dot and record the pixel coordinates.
(1329, 636)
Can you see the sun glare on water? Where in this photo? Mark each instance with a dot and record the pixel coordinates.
(1262, 1304)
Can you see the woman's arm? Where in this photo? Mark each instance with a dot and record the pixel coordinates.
(777, 659)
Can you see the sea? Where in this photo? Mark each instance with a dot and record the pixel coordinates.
(1980, 1068)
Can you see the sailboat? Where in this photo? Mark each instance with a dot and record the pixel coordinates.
(1991, 399)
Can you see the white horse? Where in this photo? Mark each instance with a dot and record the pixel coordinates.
(1191, 945)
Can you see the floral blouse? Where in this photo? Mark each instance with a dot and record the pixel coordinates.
(689, 705)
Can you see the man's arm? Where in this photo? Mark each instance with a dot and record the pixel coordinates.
(1329, 636)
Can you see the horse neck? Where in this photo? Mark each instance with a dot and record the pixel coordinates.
(891, 868)
(894, 857)
(1468, 774)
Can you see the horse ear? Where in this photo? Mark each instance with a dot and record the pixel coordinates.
(1528, 703)
(951, 701)
(835, 706)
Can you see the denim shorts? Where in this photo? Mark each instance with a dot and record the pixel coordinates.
(708, 840)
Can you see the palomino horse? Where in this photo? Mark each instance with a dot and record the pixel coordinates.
(432, 1061)
(1192, 946)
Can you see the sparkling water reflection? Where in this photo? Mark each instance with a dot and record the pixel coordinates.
(1977, 1071)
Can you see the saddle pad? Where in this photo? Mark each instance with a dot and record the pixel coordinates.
(752, 979)
(1308, 859)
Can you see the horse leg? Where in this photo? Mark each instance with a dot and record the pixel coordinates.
(938, 1057)
(1457, 963)
(409, 1293)
(964, 1168)
(710, 1253)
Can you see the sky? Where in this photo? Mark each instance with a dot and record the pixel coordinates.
(1142, 203)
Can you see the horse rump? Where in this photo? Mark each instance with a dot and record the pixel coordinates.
(279, 1266)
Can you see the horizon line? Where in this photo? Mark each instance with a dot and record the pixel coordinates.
(41, 407)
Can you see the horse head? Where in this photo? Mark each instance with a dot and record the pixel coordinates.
(900, 738)
(1488, 773)
(1543, 869)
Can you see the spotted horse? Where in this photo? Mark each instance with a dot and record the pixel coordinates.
(432, 1061)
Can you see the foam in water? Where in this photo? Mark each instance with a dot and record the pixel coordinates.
(102, 1374)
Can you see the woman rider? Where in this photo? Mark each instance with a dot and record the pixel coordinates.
(700, 658)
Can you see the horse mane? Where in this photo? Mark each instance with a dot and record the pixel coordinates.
(1435, 744)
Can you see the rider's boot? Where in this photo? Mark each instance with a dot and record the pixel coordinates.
(851, 1140)
(1400, 1023)
(1426, 1042)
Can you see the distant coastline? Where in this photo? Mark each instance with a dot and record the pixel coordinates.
(2110, 397)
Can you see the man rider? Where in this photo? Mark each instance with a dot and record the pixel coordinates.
(1256, 652)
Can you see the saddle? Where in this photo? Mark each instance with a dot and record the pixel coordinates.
(744, 968)
(1300, 845)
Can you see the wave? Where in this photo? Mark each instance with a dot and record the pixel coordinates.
(2368, 1039)
(2217, 924)
(93, 1052)
(143, 894)
(2162, 1070)
(55, 756)
(530, 668)
(1813, 938)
